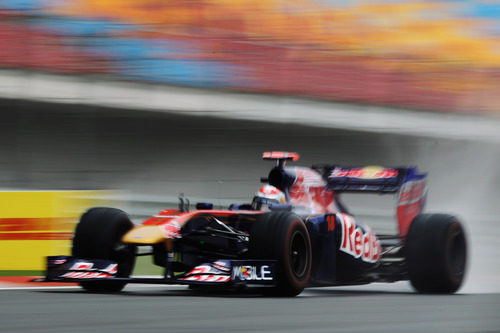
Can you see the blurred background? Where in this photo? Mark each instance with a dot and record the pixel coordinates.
(130, 103)
(431, 55)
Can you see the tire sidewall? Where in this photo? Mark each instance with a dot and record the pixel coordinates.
(296, 282)
(97, 236)
(454, 235)
(431, 250)
(271, 238)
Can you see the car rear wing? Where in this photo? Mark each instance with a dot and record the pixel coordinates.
(409, 185)
(369, 178)
(407, 182)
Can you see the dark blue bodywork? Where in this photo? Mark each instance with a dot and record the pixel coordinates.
(331, 265)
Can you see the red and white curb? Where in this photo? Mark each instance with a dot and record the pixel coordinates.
(24, 282)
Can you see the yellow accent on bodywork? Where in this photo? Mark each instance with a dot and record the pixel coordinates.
(144, 234)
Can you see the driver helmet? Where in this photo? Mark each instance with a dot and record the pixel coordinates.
(267, 195)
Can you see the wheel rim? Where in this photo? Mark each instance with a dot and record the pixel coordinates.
(298, 254)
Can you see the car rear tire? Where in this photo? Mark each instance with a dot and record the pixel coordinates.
(283, 236)
(98, 236)
(436, 253)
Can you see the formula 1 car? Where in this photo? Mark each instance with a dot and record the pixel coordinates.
(296, 234)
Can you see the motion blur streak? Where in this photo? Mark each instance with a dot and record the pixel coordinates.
(435, 55)
(440, 56)
(156, 156)
(35, 224)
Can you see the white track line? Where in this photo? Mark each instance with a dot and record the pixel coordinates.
(132, 285)
(38, 288)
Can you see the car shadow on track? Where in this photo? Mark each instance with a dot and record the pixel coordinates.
(160, 291)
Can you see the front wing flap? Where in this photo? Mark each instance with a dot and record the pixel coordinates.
(67, 267)
(218, 272)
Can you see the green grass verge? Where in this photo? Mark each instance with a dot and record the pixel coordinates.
(21, 273)
(144, 266)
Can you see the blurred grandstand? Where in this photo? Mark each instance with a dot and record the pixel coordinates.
(430, 55)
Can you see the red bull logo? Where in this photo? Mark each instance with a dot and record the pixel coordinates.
(369, 172)
(356, 243)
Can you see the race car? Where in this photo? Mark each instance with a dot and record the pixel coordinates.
(296, 233)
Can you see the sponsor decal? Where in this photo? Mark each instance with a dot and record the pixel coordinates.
(309, 191)
(171, 229)
(203, 269)
(330, 220)
(57, 261)
(371, 172)
(252, 273)
(82, 266)
(410, 203)
(411, 192)
(85, 275)
(86, 270)
(206, 273)
(356, 243)
(35, 228)
(207, 278)
(280, 155)
(221, 265)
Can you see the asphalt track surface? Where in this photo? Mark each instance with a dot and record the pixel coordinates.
(375, 308)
